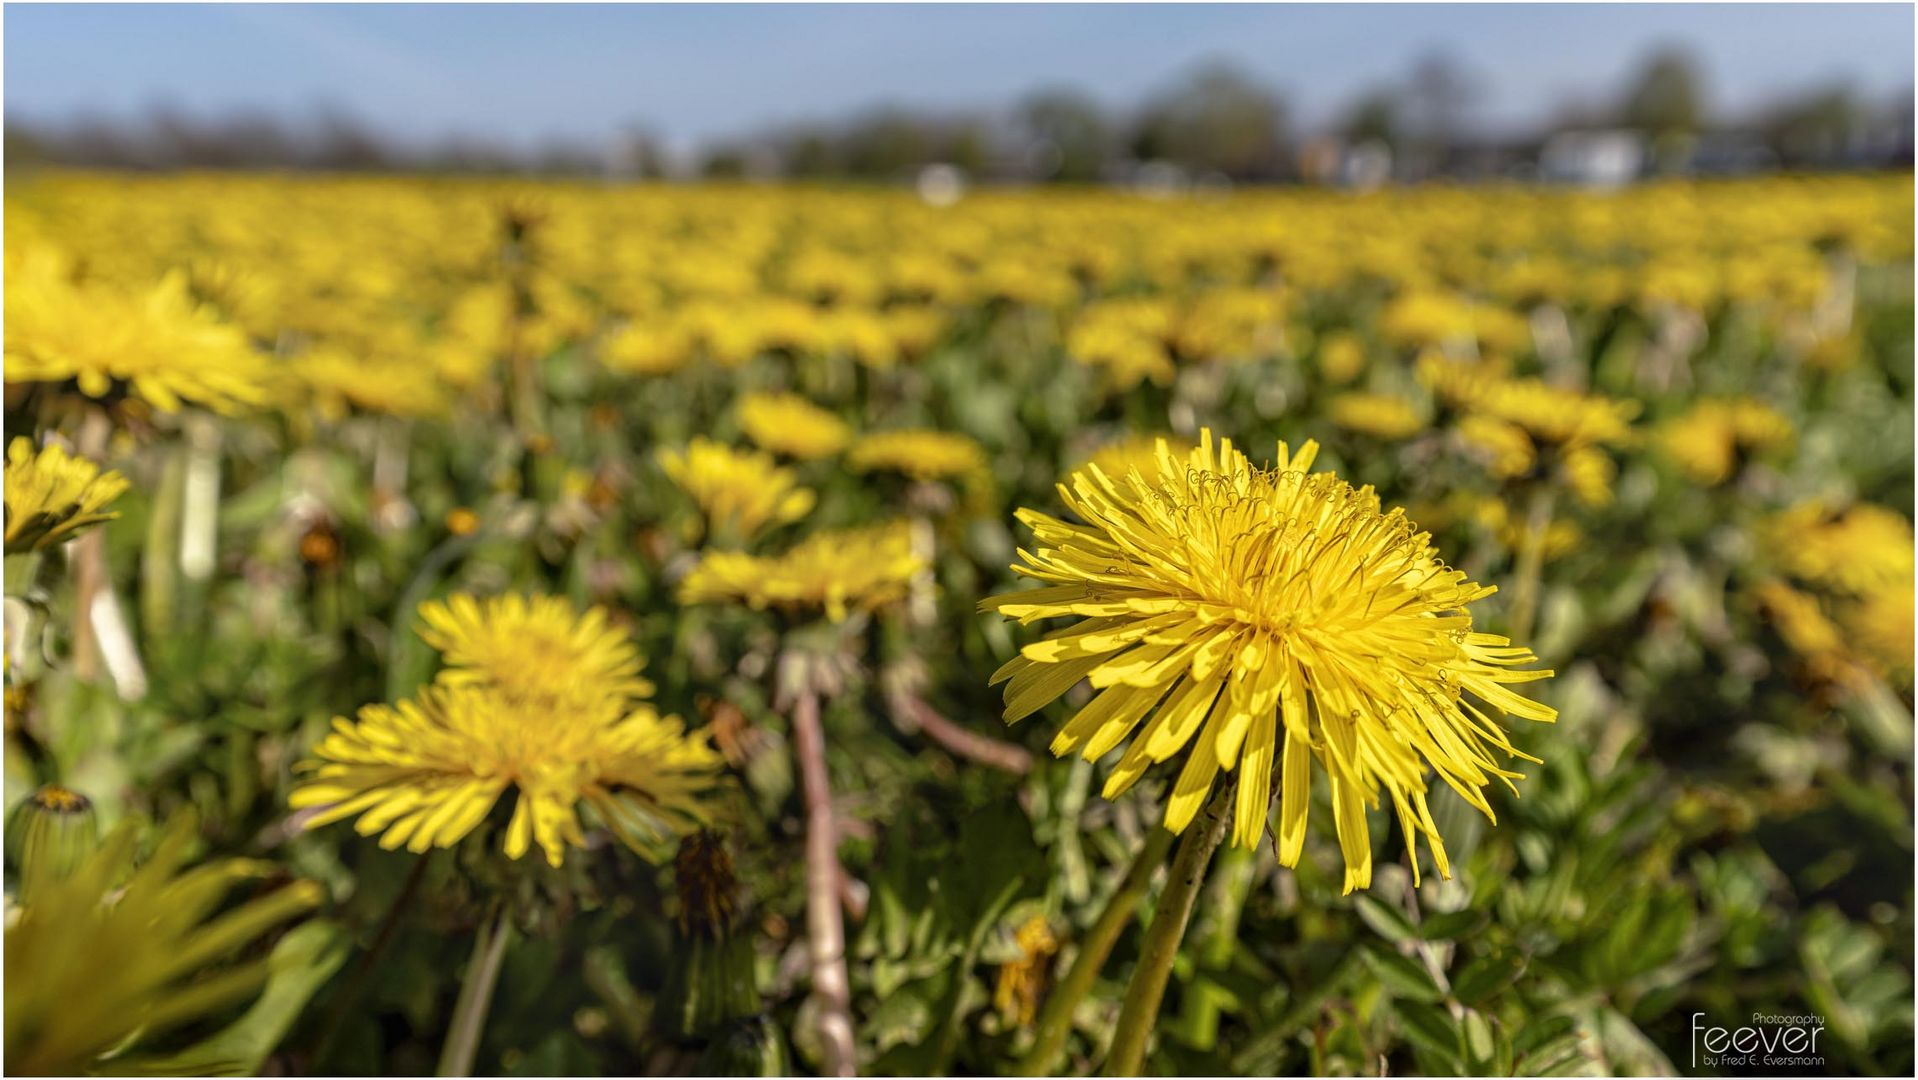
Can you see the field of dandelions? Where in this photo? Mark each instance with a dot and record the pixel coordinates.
(517, 628)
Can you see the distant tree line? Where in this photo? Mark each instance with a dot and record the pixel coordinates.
(1218, 124)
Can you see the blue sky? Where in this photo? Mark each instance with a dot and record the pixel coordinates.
(523, 73)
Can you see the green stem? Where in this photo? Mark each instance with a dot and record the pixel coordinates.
(1140, 1012)
(1055, 1018)
(1225, 901)
(369, 960)
(476, 994)
(1531, 564)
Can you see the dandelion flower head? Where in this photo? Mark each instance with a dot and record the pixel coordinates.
(789, 424)
(52, 495)
(1380, 415)
(922, 454)
(740, 491)
(533, 648)
(426, 772)
(837, 571)
(1260, 619)
(158, 345)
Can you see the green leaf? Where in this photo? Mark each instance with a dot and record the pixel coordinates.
(1486, 976)
(1385, 920)
(302, 961)
(1450, 925)
(1431, 1028)
(1401, 975)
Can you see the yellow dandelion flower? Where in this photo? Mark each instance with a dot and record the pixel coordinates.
(160, 345)
(1801, 621)
(533, 648)
(838, 571)
(920, 453)
(1706, 441)
(1021, 980)
(110, 953)
(334, 380)
(1588, 473)
(1555, 414)
(789, 424)
(1856, 552)
(426, 772)
(1881, 624)
(52, 496)
(1505, 448)
(647, 350)
(740, 491)
(1456, 382)
(1342, 357)
(1231, 604)
(1380, 415)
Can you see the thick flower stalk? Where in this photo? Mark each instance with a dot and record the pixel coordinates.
(1259, 619)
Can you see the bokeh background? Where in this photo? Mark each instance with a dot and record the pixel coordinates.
(411, 300)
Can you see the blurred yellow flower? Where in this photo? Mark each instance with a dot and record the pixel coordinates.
(1707, 440)
(837, 571)
(535, 649)
(1341, 357)
(425, 772)
(1881, 624)
(1801, 621)
(1505, 448)
(158, 345)
(1380, 415)
(1856, 552)
(333, 379)
(1022, 980)
(52, 496)
(110, 954)
(1588, 473)
(789, 424)
(920, 453)
(741, 492)
(1232, 604)
(1555, 414)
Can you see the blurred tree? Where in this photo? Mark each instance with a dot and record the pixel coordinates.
(1815, 129)
(809, 152)
(969, 147)
(1074, 138)
(1374, 117)
(1441, 94)
(886, 144)
(1667, 98)
(723, 163)
(1219, 120)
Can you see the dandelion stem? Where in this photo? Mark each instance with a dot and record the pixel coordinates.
(1531, 564)
(1140, 1012)
(476, 994)
(369, 960)
(912, 714)
(1055, 1018)
(825, 930)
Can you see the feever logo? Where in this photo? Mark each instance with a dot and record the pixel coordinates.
(1772, 1041)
